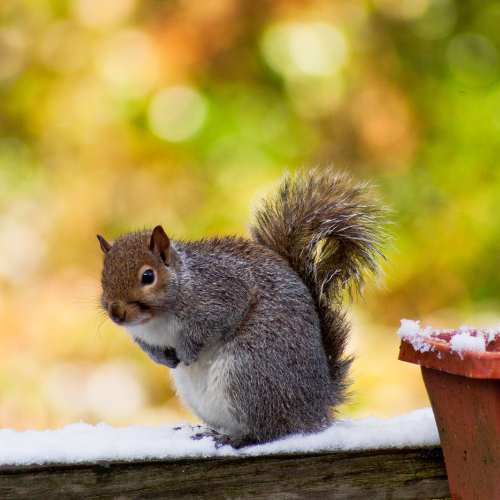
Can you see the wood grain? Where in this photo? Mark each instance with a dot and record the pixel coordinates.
(406, 474)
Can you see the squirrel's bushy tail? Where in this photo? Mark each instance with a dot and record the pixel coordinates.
(330, 230)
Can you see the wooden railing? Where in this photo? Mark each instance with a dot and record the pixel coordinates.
(391, 474)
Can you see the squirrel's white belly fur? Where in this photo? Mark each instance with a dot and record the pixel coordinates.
(202, 384)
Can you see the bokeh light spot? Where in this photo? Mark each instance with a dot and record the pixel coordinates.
(102, 14)
(12, 52)
(317, 49)
(114, 390)
(177, 113)
(19, 262)
(129, 64)
(314, 49)
(65, 388)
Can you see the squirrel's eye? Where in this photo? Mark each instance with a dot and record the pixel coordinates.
(148, 277)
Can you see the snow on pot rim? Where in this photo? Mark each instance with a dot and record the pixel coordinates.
(466, 351)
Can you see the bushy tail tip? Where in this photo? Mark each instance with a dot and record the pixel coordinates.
(329, 228)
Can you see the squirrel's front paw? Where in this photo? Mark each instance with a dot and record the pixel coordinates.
(162, 355)
(168, 357)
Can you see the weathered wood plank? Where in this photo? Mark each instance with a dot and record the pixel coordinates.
(405, 474)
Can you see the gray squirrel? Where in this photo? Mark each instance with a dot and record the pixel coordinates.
(254, 330)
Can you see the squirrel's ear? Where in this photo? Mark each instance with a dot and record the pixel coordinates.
(105, 246)
(160, 243)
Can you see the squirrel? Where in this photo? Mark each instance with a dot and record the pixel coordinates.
(254, 329)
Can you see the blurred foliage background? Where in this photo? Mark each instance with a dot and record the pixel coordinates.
(117, 115)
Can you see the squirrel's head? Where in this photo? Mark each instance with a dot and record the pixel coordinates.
(138, 276)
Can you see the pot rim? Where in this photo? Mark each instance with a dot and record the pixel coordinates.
(485, 365)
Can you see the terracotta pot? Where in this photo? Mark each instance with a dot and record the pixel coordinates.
(464, 390)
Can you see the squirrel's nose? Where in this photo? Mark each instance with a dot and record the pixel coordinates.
(117, 313)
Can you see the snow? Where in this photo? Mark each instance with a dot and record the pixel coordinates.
(85, 443)
(465, 338)
(464, 342)
(418, 338)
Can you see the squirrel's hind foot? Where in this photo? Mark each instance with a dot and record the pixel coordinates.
(236, 442)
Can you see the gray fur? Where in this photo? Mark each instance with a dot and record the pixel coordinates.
(254, 329)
